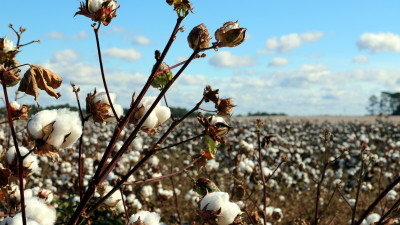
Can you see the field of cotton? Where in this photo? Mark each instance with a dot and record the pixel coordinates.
(293, 159)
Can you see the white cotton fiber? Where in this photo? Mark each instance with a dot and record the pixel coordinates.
(149, 218)
(163, 113)
(17, 220)
(30, 160)
(66, 129)
(37, 210)
(40, 120)
(220, 200)
(15, 104)
(67, 123)
(159, 115)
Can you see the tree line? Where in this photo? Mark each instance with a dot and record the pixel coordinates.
(388, 103)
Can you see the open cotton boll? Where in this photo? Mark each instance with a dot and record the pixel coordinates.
(66, 129)
(163, 113)
(149, 218)
(40, 120)
(220, 200)
(151, 120)
(148, 101)
(15, 104)
(30, 162)
(40, 212)
(17, 220)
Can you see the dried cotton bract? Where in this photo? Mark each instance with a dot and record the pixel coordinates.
(54, 129)
(145, 217)
(99, 10)
(98, 106)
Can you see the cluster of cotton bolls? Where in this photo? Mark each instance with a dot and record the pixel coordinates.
(148, 218)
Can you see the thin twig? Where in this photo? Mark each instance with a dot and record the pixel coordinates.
(176, 199)
(125, 208)
(96, 32)
(19, 156)
(182, 142)
(353, 214)
(260, 160)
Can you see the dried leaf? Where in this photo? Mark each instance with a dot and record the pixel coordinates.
(4, 175)
(39, 77)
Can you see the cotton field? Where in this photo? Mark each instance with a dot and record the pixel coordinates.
(228, 186)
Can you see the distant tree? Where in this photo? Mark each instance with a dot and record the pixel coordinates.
(388, 104)
(373, 105)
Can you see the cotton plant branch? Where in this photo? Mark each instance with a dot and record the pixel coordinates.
(20, 158)
(326, 138)
(96, 32)
(80, 163)
(354, 209)
(95, 182)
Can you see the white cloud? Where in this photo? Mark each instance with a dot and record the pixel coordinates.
(379, 42)
(55, 35)
(180, 59)
(79, 36)
(226, 59)
(142, 40)
(289, 42)
(128, 55)
(360, 59)
(66, 55)
(277, 62)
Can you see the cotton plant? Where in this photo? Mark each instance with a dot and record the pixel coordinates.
(216, 208)
(53, 130)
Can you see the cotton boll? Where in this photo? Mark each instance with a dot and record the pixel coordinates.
(15, 104)
(30, 162)
(149, 218)
(37, 210)
(40, 120)
(372, 218)
(151, 120)
(220, 200)
(17, 220)
(163, 113)
(153, 161)
(212, 165)
(391, 195)
(66, 130)
(147, 191)
(148, 101)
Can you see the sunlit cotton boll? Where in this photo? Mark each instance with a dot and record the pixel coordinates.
(158, 116)
(38, 211)
(66, 128)
(30, 162)
(149, 218)
(220, 200)
(17, 220)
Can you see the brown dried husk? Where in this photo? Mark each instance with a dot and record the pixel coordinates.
(37, 78)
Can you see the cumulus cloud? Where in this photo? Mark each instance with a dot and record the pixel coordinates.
(379, 42)
(79, 36)
(278, 62)
(55, 35)
(66, 55)
(292, 41)
(360, 59)
(142, 40)
(128, 55)
(226, 59)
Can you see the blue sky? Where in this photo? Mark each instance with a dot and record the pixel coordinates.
(300, 57)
